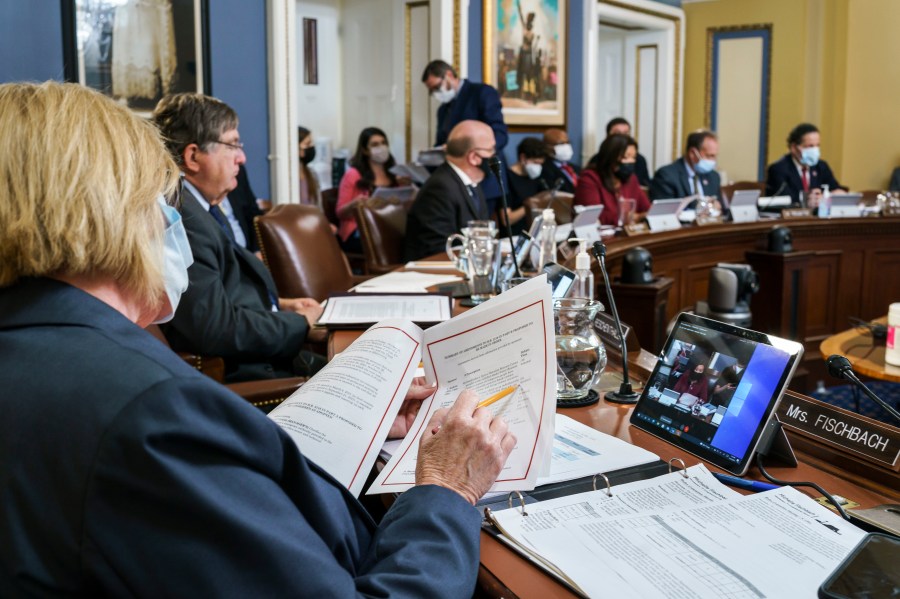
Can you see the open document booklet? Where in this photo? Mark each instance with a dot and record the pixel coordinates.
(682, 534)
(341, 417)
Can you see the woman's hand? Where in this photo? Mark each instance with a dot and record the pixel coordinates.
(464, 448)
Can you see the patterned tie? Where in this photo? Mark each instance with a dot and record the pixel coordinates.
(223, 222)
(570, 173)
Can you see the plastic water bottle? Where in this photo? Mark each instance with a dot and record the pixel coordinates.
(584, 276)
(825, 203)
(547, 238)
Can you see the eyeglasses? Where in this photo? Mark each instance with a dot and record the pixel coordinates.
(236, 146)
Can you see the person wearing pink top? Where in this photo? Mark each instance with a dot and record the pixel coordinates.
(369, 168)
(611, 177)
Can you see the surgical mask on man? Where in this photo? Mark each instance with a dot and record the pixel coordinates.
(809, 156)
(563, 152)
(380, 154)
(177, 257)
(533, 169)
(444, 95)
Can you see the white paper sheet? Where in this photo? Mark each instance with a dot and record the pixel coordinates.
(348, 309)
(404, 282)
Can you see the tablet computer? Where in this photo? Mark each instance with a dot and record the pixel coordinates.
(714, 388)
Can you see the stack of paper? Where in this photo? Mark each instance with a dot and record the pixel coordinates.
(404, 282)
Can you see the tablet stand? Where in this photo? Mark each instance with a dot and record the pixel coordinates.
(774, 443)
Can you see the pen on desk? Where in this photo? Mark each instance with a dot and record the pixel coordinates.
(497, 396)
(743, 483)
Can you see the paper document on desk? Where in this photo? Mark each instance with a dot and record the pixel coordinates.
(579, 451)
(505, 343)
(340, 417)
(343, 310)
(404, 282)
(678, 539)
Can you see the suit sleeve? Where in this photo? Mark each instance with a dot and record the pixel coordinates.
(203, 496)
(587, 192)
(492, 114)
(775, 180)
(895, 180)
(662, 188)
(431, 219)
(829, 179)
(212, 321)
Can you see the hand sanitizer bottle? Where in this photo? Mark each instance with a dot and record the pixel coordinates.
(825, 203)
(547, 238)
(584, 276)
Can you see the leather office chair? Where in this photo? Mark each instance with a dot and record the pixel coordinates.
(382, 227)
(264, 394)
(562, 206)
(329, 205)
(301, 252)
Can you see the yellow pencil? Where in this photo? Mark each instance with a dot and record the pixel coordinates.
(497, 396)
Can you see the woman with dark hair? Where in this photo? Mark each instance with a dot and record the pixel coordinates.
(370, 167)
(309, 185)
(610, 177)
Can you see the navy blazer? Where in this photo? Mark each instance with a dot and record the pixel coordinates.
(671, 181)
(783, 179)
(552, 174)
(227, 309)
(442, 207)
(476, 102)
(125, 472)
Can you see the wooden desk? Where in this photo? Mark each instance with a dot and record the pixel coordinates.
(864, 352)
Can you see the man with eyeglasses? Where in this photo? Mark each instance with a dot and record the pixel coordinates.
(451, 196)
(231, 308)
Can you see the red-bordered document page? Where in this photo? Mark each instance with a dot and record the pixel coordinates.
(340, 418)
(506, 342)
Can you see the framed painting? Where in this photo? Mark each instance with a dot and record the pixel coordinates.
(137, 51)
(525, 59)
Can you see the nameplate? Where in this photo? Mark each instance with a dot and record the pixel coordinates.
(744, 214)
(796, 213)
(636, 229)
(848, 431)
(663, 222)
(605, 326)
(709, 220)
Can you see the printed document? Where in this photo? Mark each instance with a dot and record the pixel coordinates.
(501, 344)
(351, 309)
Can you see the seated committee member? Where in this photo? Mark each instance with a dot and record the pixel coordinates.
(525, 180)
(231, 308)
(692, 174)
(451, 196)
(800, 170)
(695, 383)
(309, 184)
(620, 126)
(127, 472)
(369, 168)
(610, 177)
(727, 384)
(559, 170)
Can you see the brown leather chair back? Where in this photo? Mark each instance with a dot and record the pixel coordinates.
(562, 206)
(382, 227)
(329, 205)
(301, 252)
(728, 190)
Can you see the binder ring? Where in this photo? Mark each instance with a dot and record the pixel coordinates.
(683, 467)
(608, 487)
(509, 501)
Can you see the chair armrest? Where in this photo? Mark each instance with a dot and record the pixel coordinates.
(268, 393)
(214, 368)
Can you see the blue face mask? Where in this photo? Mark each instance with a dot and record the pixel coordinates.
(809, 156)
(704, 166)
(177, 257)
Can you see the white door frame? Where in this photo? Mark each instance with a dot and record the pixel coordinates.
(641, 13)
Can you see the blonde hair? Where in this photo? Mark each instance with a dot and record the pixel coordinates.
(81, 175)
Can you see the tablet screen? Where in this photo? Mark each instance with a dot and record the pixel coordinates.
(714, 388)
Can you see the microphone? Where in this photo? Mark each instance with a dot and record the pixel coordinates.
(778, 191)
(497, 168)
(625, 394)
(839, 367)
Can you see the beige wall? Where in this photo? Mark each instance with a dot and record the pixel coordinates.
(833, 63)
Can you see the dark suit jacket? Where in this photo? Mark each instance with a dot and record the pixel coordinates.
(895, 180)
(671, 181)
(553, 173)
(442, 207)
(783, 179)
(128, 473)
(477, 102)
(227, 309)
(243, 201)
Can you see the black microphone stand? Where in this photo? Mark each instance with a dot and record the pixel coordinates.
(625, 394)
(839, 367)
(495, 165)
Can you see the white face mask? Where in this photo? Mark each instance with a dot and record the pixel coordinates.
(533, 169)
(444, 95)
(380, 154)
(177, 257)
(563, 152)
